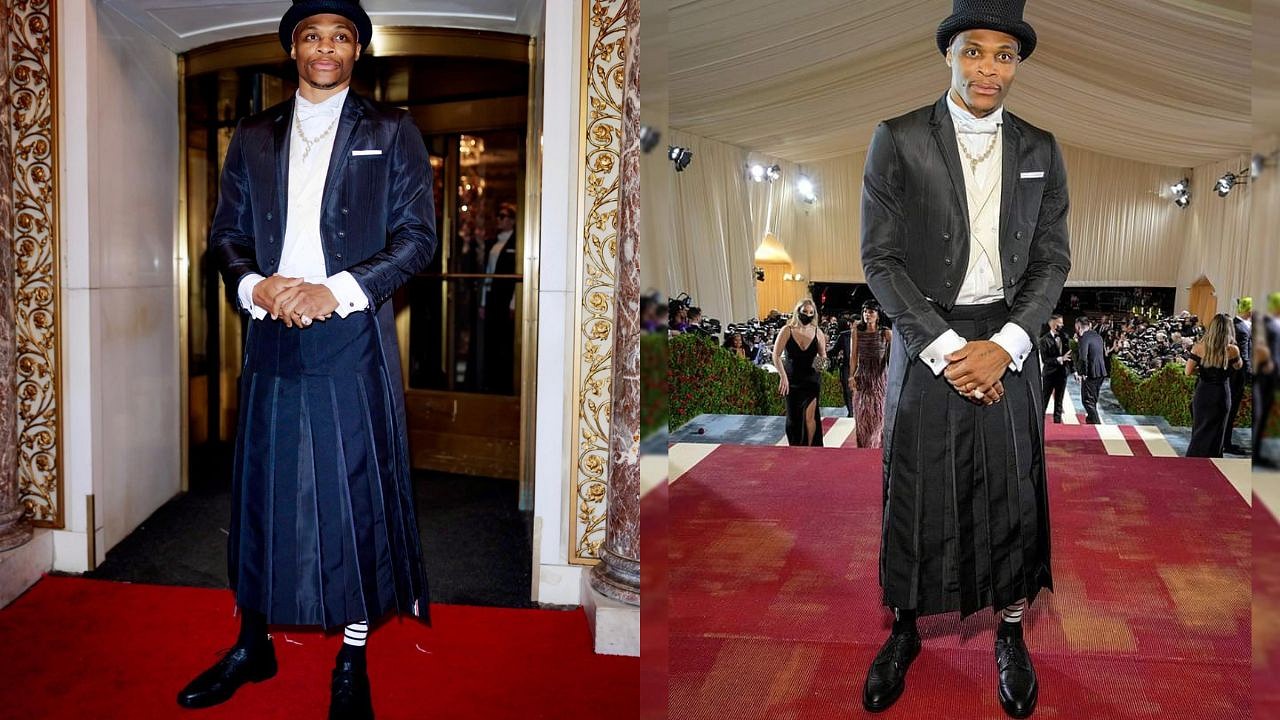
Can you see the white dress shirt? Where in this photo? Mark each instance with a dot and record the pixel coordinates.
(302, 254)
(982, 280)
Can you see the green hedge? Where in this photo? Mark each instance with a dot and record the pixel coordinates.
(703, 377)
(653, 383)
(1167, 392)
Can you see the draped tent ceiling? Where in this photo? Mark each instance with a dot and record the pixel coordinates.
(1159, 81)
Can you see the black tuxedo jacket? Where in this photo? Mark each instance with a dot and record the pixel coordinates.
(377, 216)
(915, 222)
(1091, 359)
(501, 290)
(1244, 340)
(1051, 349)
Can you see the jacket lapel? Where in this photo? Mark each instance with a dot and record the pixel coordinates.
(283, 122)
(352, 111)
(1009, 180)
(944, 134)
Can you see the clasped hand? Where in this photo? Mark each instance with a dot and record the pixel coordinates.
(294, 302)
(978, 366)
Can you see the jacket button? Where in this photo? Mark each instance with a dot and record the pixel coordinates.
(1010, 282)
(1015, 258)
(344, 211)
(946, 261)
(946, 236)
(271, 239)
(268, 216)
(337, 256)
(1018, 235)
(341, 234)
(947, 283)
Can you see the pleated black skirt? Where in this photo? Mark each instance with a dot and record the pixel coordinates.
(966, 520)
(323, 529)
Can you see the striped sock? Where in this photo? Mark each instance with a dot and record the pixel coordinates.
(354, 637)
(1011, 619)
(1013, 613)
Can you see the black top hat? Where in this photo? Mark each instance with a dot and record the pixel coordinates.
(1002, 15)
(303, 9)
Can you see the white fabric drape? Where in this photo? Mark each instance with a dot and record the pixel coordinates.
(1262, 252)
(1217, 235)
(1125, 229)
(1158, 81)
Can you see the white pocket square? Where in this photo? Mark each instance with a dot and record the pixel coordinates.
(1031, 175)
(358, 153)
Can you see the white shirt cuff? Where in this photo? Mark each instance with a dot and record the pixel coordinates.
(1015, 341)
(245, 293)
(348, 293)
(935, 355)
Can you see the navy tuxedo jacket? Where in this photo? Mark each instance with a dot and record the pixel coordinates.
(377, 217)
(915, 223)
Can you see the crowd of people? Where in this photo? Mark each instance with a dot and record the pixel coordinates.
(857, 346)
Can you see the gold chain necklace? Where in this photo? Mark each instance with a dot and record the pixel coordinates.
(973, 162)
(307, 142)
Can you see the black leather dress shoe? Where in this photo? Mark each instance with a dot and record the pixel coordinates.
(349, 697)
(1017, 688)
(887, 675)
(240, 665)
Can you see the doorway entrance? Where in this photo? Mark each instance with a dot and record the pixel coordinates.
(459, 322)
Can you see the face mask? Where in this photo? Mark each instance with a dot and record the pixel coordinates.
(806, 319)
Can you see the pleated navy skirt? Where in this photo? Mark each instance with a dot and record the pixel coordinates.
(966, 514)
(323, 529)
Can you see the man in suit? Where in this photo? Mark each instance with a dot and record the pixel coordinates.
(1265, 379)
(1091, 367)
(964, 244)
(325, 209)
(842, 352)
(1054, 353)
(498, 306)
(1244, 374)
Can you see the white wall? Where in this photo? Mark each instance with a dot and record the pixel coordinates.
(554, 580)
(121, 386)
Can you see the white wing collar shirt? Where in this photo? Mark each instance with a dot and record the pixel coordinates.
(312, 131)
(980, 139)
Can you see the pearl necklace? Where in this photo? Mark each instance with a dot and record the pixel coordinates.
(973, 162)
(307, 142)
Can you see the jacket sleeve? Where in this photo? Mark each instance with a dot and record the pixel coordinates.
(231, 241)
(1049, 258)
(884, 247)
(411, 219)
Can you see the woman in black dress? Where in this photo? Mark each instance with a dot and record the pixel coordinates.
(1212, 360)
(799, 380)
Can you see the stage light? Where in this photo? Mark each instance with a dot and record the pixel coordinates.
(773, 172)
(1181, 192)
(804, 187)
(756, 172)
(681, 156)
(649, 138)
(1225, 183)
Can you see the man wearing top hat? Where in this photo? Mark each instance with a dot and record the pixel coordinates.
(964, 243)
(325, 209)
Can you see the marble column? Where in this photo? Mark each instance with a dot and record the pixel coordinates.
(14, 529)
(617, 575)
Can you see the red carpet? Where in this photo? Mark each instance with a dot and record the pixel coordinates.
(653, 607)
(1266, 608)
(96, 649)
(775, 609)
